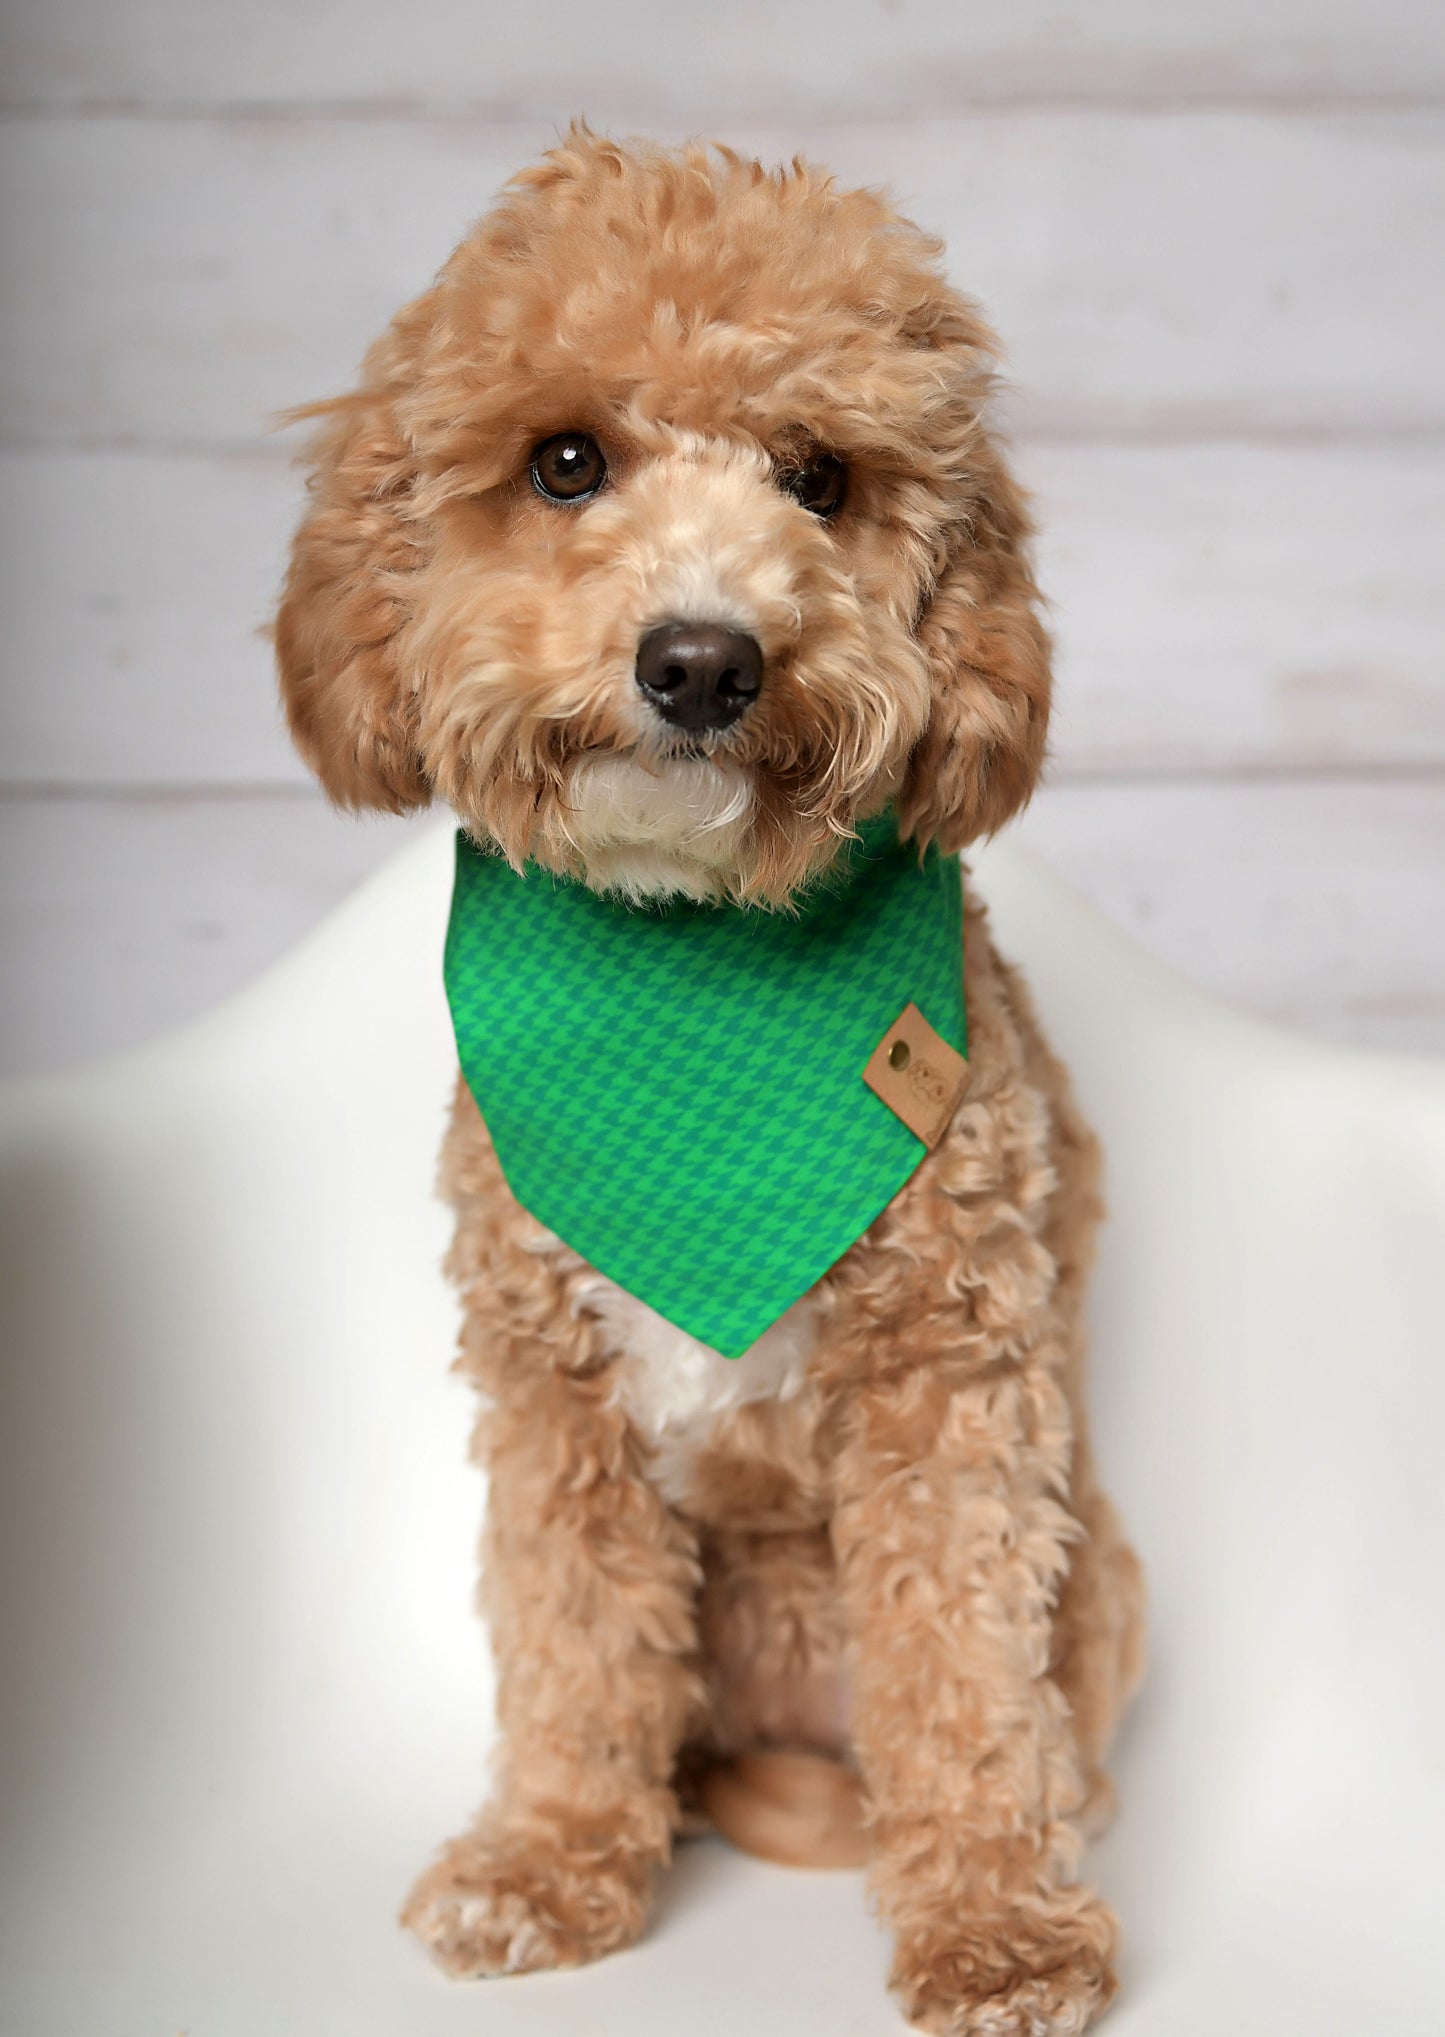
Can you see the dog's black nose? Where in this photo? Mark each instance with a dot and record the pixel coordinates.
(699, 675)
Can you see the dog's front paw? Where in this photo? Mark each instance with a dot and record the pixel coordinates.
(520, 1902)
(1033, 1971)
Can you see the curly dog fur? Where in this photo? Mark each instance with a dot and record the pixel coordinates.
(880, 1535)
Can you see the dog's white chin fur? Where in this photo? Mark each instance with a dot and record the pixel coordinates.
(669, 828)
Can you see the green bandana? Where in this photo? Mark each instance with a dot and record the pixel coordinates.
(677, 1091)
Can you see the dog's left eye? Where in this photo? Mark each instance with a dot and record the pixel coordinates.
(820, 484)
(568, 467)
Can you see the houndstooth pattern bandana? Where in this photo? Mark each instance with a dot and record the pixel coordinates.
(677, 1091)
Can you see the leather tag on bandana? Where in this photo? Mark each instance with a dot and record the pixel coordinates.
(918, 1075)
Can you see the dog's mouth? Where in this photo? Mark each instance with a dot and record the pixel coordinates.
(696, 749)
(656, 751)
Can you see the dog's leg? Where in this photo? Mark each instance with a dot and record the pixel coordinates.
(1098, 1639)
(953, 1537)
(772, 1642)
(590, 1583)
(1098, 1658)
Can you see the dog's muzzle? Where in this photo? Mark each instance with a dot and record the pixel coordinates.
(699, 675)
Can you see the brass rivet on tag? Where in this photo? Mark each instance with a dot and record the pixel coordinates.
(899, 1054)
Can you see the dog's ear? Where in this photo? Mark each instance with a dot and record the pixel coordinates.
(352, 711)
(980, 756)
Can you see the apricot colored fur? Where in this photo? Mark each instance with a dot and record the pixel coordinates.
(908, 1560)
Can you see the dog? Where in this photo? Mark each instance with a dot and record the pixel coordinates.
(666, 541)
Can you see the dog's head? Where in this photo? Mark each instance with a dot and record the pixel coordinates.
(664, 540)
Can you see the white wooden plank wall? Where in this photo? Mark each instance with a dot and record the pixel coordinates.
(1211, 235)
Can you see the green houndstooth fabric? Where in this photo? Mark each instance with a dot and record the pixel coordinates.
(678, 1092)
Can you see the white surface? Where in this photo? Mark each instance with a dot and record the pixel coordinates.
(243, 1691)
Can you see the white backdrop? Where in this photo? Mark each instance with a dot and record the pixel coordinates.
(1210, 235)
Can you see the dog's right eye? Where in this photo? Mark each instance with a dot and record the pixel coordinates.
(568, 467)
(820, 484)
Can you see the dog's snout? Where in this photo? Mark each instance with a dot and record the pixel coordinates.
(699, 675)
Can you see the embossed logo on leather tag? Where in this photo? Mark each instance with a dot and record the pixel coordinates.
(918, 1075)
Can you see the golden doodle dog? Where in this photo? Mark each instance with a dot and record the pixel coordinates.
(665, 541)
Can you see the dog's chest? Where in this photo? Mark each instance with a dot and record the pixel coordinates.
(677, 1393)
